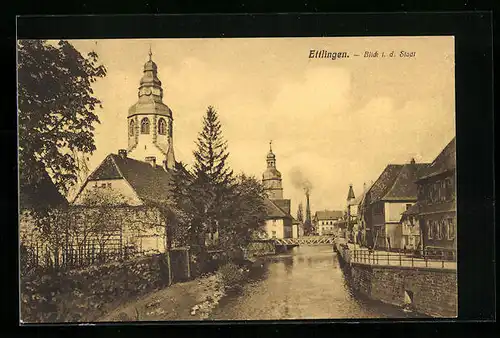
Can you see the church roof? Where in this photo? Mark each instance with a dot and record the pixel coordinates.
(350, 194)
(152, 184)
(445, 161)
(148, 105)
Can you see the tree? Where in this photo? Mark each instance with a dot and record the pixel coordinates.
(300, 214)
(55, 110)
(247, 214)
(213, 179)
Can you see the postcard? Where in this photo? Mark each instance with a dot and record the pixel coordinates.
(210, 179)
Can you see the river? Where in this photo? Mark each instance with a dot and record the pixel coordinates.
(304, 283)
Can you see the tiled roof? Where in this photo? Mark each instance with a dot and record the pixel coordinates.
(404, 186)
(384, 183)
(152, 184)
(445, 161)
(283, 204)
(329, 214)
(274, 211)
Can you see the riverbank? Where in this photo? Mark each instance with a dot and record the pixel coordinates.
(192, 300)
(430, 289)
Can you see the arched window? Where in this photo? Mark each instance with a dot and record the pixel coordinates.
(162, 127)
(131, 128)
(145, 126)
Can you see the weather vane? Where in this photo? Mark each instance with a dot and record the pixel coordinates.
(270, 145)
(150, 53)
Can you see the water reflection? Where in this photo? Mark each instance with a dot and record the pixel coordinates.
(286, 288)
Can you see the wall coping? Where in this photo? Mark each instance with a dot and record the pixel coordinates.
(397, 267)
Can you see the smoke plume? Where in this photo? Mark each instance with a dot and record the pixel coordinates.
(300, 180)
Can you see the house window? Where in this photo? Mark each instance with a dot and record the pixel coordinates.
(109, 185)
(274, 234)
(162, 130)
(131, 128)
(145, 126)
(103, 185)
(408, 206)
(451, 228)
(437, 229)
(449, 189)
(274, 222)
(430, 229)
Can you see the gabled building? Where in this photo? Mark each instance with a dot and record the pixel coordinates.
(326, 222)
(437, 203)
(279, 222)
(390, 195)
(138, 178)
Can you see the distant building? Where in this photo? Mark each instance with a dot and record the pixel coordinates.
(390, 195)
(326, 221)
(437, 202)
(279, 222)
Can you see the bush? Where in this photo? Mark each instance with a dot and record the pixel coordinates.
(232, 275)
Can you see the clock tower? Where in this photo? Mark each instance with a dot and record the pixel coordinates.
(150, 122)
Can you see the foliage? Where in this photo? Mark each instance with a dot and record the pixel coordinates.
(203, 195)
(232, 275)
(211, 199)
(56, 110)
(87, 294)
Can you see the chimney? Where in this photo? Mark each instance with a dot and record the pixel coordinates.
(364, 186)
(307, 222)
(122, 153)
(151, 160)
(412, 161)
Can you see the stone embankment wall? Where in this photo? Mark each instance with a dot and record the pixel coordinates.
(430, 291)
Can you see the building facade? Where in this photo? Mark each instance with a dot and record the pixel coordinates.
(326, 222)
(391, 194)
(437, 203)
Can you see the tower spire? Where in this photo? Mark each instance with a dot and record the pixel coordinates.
(271, 146)
(150, 53)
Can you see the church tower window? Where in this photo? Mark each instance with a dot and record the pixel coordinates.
(145, 126)
(162, 127)
(131, 128)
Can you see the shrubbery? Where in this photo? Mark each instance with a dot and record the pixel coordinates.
(232, 275)
(86, 295)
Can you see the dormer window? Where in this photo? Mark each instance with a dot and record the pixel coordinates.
(145, 126)
(162, 127)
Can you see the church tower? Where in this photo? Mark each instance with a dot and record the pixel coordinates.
(150, 122)
(271, 179)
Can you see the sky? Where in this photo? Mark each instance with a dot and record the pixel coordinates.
(332, 122)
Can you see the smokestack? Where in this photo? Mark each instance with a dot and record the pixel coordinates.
(122, 153)
(151, 160)
(307, 223)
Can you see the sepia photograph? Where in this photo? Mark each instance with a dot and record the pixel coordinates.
(237, 179)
